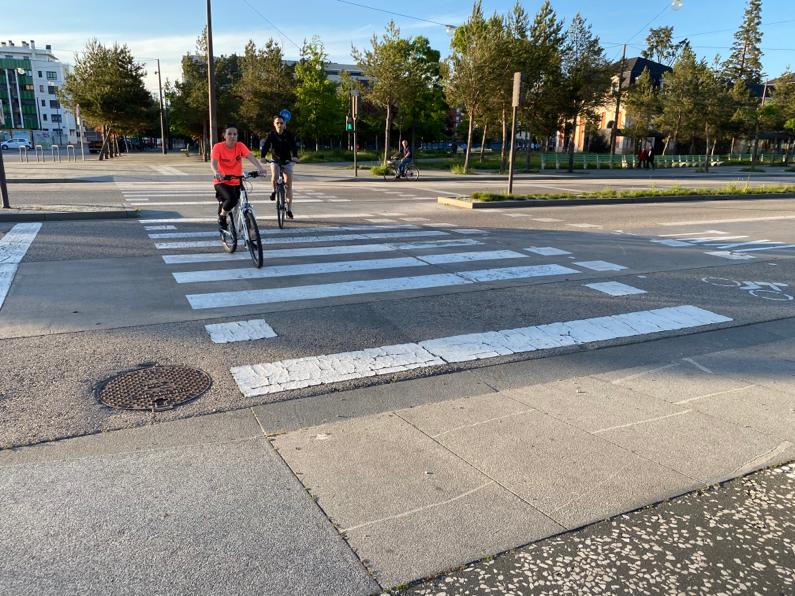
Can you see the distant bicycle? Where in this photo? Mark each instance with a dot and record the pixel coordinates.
(281, 192)
(409, 173)
(759, 289)
(242, 223)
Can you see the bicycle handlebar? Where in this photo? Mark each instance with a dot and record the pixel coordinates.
(245, 175)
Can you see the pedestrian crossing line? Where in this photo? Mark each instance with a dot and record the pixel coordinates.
(157, 228)
(296, 230)
(309, 217)
(304, 239)
(221, 257)
(469, 231)
(13, 247)
(214, 204)
(583, 225)
(224, 333)
(547, 251)
(615, 288)
(214, 275)
(298, 373)
(599, 265)
(744, 250)
(374, 286)
(381, 220)
(168, 171)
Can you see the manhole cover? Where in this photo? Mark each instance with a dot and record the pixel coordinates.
(155, 388)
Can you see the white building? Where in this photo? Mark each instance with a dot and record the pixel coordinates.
(34, 71)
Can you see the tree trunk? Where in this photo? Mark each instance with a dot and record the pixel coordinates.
(104, 147)
(571, 144)
(706, 148)
(470, 130)
(483, 142)
(204, 141)
(504, 140)
(386, 132)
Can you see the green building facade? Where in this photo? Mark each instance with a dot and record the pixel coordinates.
(17, 89)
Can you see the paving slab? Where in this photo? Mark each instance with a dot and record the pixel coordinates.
(408, 506)
(173, 508)
(572, 476)
(591, 404)
(700, 446)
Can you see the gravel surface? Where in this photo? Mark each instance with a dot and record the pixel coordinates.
(735, 538)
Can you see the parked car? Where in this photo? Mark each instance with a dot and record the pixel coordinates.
(16, 144)
(95, 146)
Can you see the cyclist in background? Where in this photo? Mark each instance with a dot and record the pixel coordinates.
(281, 143)
(405, 159)
(226, 159)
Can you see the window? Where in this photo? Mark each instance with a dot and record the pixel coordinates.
(40, 75)
(54, 103)
(52, 75)
(44, 117)
(41, 88)
(51, 89)
(55, 117)
(43, 103)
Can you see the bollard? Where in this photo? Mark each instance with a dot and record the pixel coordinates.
(43, 156)
(23, 155)
(52, 149)
(71, 157)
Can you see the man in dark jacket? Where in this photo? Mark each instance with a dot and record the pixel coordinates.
(284, 151)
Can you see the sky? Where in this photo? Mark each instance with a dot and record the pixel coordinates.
(167, 29)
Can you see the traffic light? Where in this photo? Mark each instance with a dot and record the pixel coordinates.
(348, 123)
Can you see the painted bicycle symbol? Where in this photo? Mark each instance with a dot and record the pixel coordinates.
(759, 289)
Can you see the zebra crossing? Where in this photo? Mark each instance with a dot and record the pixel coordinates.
(721, 244)
(426, 254)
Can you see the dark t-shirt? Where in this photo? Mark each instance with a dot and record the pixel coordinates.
(282, 146)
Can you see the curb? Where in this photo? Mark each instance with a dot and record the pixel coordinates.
(467, 204)
(27, 216)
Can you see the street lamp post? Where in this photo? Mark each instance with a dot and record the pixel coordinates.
(210, 76)
(162, 112)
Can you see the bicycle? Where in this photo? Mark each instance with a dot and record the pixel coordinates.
(754, 288)
(242, 222)
(281, 192)
(410, 172)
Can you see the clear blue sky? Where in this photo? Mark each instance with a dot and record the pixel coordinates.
(167, 29)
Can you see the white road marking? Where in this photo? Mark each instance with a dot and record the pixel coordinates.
(600, 265)
(381, 220)
(224, 333)
(700, 367)
(305, 239)
(274, 377)
(157, 228)
(469, 231)
(738, 244)
(415, 219)
(644, 373)
(692, 233)
(546, 219)
(375, 286)
(725, 254)
(211, 202)
(221, 257)
(766, 248)
(168, 171)
(214, 275)
(13, 247)
(295, 230)
(674, 243)
(583, 225)
(614, 288)
(689, 399)
(547, 251)
(720, 221)
(310, 217)
(517, 215)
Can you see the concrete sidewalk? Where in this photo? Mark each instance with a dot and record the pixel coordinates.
(418, 477)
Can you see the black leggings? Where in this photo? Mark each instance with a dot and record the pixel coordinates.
(227, 196)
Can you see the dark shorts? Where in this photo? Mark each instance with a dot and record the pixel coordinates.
(227, 195)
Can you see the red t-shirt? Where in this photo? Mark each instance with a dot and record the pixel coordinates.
(230, 161)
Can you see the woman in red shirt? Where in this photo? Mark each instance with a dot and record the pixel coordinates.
(226, 159)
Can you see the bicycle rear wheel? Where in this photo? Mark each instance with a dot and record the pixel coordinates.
(280, 206)
(254, 239)
(390, 172)
(229, 235)
(412, 173)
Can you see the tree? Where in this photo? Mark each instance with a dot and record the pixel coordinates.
(316, 105)
(586, 78)
(660, 46)
(107, 84)
(470, 69)
(266, 86)
(782, 106)
(678, 111)
(642, 106)
(745, 61)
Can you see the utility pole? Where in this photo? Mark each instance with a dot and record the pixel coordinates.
(614, 132)
(3, 185)
(517, 101)
(355, 114)
(162, 111)
(210, 79)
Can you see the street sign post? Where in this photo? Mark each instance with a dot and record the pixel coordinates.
(81, 131)
(3, 185)
(517, 101)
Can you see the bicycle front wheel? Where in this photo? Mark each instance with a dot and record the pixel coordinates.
(254, 239)
(229, 235)
(412, 173)
(280, 206)
(390, 172)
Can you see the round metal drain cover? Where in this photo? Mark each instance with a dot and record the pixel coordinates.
(155, 388)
